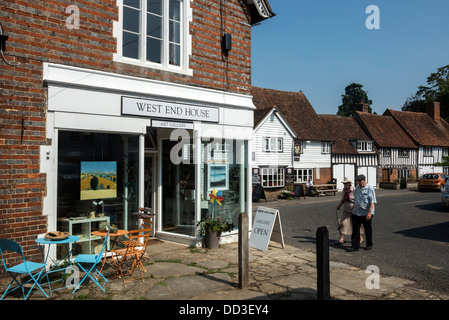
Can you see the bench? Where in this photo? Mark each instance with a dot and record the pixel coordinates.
(323, 191)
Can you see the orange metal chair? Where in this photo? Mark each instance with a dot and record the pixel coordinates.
(126, 260)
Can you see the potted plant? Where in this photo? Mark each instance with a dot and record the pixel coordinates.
(286, 194)
(212, 228)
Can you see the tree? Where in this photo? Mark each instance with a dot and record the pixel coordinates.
(445, 162)
(437, 90)
(354, 96)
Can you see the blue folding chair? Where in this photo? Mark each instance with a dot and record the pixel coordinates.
(24, 268)
(93, 260)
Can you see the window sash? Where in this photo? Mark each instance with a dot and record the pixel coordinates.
(364, 146)
(152, 32)
(325, 147)
(403, 153)
(273, 144)
(272, 177)
(303, 175)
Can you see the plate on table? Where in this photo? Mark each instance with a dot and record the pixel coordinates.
(56, 235)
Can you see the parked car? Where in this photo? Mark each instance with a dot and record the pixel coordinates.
(445, 196)
(432, 181)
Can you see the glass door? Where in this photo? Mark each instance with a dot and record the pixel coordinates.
(178, 187)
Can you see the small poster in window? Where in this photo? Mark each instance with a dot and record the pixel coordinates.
(218, 176)
(98, 179)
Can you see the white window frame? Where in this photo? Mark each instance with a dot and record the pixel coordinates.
(325, 147)
(272, 177)
(364, 146)
(427, 151)
(273, 144)
(403, 153)
(185, 41)
(303, 175)
(386, 153)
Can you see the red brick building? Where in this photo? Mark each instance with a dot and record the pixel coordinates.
(80, 82)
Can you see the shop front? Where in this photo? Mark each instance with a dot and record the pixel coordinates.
(119, 143)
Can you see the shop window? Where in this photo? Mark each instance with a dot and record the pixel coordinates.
(273, 177)
(154, 32)
(97, 182)
(303, 175)
(225, 173)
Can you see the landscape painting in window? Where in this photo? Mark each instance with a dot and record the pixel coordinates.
(98, 180)
(218, 176)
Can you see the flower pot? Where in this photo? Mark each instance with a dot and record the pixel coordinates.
(212, 239)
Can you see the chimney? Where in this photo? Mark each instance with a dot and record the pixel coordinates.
(433, 110)
(364, 107)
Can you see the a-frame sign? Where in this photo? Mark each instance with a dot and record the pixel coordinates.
(267, 226)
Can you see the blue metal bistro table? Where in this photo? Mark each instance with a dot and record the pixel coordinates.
(62, 264)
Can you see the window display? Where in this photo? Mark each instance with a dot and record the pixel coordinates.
(97, 177)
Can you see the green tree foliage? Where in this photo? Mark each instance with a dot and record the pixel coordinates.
(437, 90)
(445, 162)
(354, 96)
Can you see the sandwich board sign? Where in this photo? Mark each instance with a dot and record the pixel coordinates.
(267, 226)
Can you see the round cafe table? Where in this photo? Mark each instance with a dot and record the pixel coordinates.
(68, 242)
(115, 235)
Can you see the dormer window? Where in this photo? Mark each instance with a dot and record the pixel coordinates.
(364, 146)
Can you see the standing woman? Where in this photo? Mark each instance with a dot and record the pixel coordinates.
(347, 202)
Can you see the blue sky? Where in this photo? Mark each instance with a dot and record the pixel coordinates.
(321, 46)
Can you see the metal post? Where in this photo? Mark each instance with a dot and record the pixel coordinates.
(322, 264)
(243, 251)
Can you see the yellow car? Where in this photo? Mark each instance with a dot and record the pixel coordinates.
(432, 181)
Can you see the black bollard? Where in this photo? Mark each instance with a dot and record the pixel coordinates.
(322, 264)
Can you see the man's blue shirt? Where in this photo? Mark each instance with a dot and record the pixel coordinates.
(364, 197)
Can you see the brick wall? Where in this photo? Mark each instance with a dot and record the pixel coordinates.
(37, 34)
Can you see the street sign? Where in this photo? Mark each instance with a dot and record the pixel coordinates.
(267, 226)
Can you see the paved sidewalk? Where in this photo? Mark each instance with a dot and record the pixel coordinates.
(177, 272)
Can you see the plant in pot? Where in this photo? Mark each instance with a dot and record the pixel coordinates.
(212, 228)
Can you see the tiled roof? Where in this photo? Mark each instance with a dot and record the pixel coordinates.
(422, 128)
(295, 109)
(344, 130)
(259, 115)
(384, 131)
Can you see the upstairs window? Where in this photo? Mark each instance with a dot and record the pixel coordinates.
(325, 147)
(386, 153)
(364, 146)
(403, 153)
(154, 32)
(272, 144)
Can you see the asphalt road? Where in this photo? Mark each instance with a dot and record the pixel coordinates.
(410, 234)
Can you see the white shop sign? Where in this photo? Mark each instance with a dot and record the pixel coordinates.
(267, 226)
(168, 110)
(171, 124)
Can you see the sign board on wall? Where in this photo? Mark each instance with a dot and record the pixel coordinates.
(169, 110)
(267, 226)
(171, 124)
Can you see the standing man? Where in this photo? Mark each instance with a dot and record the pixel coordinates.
(362, 213)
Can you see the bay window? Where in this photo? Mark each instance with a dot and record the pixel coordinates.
(272, 177)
